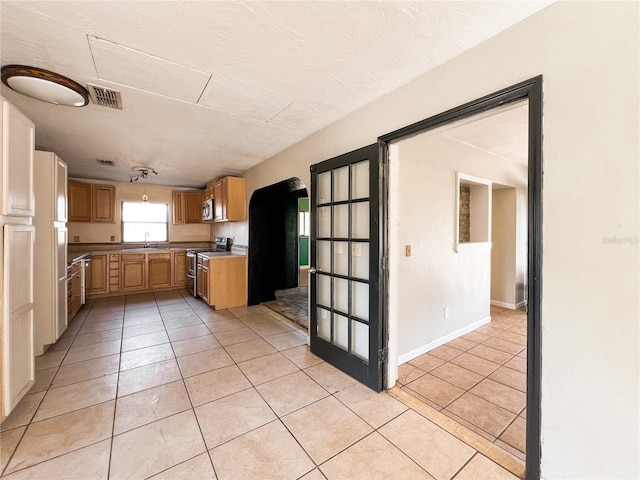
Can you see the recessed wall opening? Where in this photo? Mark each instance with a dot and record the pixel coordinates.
(473, 210)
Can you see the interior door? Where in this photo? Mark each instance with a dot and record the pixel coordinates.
(345, 303)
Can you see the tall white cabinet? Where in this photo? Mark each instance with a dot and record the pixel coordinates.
(50, 271)
(17, 204)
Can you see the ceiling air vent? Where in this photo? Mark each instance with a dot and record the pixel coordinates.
(106, 163)
(105, 96)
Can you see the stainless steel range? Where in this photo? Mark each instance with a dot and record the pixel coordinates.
(223, 246)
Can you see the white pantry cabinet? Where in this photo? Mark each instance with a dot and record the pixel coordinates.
(17, 206)
(50, 274)
(18, 145)
(18, 362)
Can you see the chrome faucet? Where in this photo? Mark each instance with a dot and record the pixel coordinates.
(146, 238)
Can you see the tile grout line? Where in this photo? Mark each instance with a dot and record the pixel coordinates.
(30, 422)
(193, 411)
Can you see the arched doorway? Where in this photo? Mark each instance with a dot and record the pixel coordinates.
(273, 239)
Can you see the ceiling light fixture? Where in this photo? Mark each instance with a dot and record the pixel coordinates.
(44, 85)
(143, 172)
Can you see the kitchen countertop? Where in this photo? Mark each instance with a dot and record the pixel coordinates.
(220, 255)
(77, 252)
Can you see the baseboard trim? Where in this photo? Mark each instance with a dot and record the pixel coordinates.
(404, 358)
(510, 306)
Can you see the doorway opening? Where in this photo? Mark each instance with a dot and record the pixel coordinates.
(468, 274)
(274, 250)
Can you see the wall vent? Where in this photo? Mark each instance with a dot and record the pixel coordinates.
(105, 96)
(106, 163)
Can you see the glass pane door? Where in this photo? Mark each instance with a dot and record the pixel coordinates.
(345, 323)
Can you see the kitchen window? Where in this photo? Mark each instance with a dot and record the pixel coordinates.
(145, 222)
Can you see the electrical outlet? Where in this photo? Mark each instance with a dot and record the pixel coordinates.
(446, 312)
(76, 239)
(113, 238)
(407, 251)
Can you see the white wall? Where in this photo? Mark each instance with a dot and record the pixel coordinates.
(589, 55)
(503, 246)
(437, 275)
(132, 192)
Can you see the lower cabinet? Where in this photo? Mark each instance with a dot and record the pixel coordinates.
(159, 270)
(222, 281)
(97, 276)
(111, 273)
(180, 268)
(203, 280)
(74, 286)
(133, 272)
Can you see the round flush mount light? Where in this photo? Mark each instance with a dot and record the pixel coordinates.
(44, 85)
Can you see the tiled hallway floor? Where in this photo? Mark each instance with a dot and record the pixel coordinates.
(479, 379)
(164, 387)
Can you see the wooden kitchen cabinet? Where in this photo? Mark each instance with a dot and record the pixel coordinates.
(159, 270)
(79, 195)
(103, 203)
(208, 191)
(133, 271)
(178, 207)
(187, 206)
(229, 200)
(180, 268)
(222, 281)
(17, 241)
(16, 178)
(193, 207)
(97, 276)
(74, 287)
(91, 202)
(203, 279)
(18, 373)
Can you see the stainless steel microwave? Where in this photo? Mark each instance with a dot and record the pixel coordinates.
(207, 210)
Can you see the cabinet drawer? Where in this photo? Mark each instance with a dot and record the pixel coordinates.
(128, 257)
(114, 272)
(159, 256)
(114, 257)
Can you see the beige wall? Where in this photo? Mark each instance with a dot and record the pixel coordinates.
(503, 246)
(437, 275)
(589, 55)
(102, 232)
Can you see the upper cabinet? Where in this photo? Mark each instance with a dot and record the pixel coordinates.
(187, 206)
(91, 202)
(229, 200)
(17, 147)
(79, 201)
(208, 191)
(103, 203)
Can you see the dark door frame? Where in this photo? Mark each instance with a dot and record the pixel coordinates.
(528, 90)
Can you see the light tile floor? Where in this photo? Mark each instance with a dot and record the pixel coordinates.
(161, 386)
(479, 379)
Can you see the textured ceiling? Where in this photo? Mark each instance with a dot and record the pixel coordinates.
(213, 88)
(503, 133)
